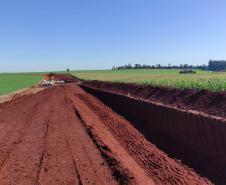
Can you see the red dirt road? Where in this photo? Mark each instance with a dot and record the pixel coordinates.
(62, 135)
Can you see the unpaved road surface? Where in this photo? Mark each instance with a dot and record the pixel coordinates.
(64, 136)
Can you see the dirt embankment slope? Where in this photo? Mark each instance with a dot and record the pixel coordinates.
(195, 138)
(212, 103)
(21, 92)
(62, 135)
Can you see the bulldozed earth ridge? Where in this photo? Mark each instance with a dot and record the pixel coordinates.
(64, 135)
(211, 103)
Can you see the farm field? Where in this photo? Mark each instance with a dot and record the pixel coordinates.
(213, 81)
(10, 82)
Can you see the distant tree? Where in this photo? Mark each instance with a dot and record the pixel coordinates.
(137, 66)
(217, 65)
(185, 66)
(68, 70)
(129, 66)
(158, 66)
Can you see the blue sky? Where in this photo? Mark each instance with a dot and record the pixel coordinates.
(37, 35)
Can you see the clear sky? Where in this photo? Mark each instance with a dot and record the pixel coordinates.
(37, 35)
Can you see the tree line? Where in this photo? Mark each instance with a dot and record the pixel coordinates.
(213, 65)
(217, 65)
(159, 66)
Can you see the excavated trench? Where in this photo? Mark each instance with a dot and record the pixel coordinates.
(196, 139)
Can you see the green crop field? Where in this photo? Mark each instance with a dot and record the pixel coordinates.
(12, 82)
(214, 81)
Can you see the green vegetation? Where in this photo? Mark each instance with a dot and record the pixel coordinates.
(12, 82)
(214, 81)
(217, 65)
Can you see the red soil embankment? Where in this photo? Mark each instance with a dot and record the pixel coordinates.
(212, 103)
(63, 135)
(197, 139)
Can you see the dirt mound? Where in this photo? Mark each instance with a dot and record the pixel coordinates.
(67, 78)
(212, 103)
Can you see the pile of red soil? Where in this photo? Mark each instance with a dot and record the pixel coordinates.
(60, 77)
(212, 103)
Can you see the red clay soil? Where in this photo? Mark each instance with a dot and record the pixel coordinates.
(198, 140)
(212, 103)
(58, 77)
(63, 135)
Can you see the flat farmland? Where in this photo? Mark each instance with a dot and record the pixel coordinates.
(12, 82)
(213, 81)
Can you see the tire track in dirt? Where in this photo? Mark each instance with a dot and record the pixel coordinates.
(70, 156)
(90, 165)
(75, 166)
(120, 175)
(43, 152)
(58, 166)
